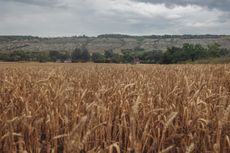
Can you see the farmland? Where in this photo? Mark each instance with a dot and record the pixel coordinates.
(114, 108)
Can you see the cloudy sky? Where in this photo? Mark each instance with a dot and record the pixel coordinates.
(93, 17)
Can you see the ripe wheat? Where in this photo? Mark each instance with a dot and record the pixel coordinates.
(108, 108)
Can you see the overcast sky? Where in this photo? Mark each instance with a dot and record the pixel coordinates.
(93, 17)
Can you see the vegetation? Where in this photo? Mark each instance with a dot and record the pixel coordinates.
(99, 108)
(17, 38)
(26, 56)
(55, 55)
(76, 54)
(98, 58)
(173, 55)
(187, 54)
(80, 55)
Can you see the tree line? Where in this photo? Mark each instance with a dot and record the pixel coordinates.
(173, 55)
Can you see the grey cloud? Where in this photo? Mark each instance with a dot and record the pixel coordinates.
(94, 17)
(217, 4)
(48, 3)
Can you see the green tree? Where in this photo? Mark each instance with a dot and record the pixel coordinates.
(128, 56)
(76, 55)
(193, 52)
(172, 55)
(152, 57)
(214, 50)
(42, 57)
(200, 51)
(4, 57)
(188, 52)
(116, 58)
(55, 55)
(85, 55)
(98, 58)
(109, 54)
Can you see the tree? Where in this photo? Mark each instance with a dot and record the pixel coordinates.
(42, 57)
(200, 51)
(129, 55)
(189, 52)
(98, 58)
(214, 50)
(109, 54)
(4, 57)
(116, 58)
(172, 55)
(85, 55)
(76, 54)
(224, 52)
(152, 57)
(55, 55)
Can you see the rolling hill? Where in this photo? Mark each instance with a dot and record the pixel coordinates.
(109, 41)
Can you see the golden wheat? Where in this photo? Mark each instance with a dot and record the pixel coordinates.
(109, 108)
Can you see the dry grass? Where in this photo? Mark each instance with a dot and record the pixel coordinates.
(114, 108)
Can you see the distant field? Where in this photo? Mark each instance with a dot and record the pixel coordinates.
(114, 108)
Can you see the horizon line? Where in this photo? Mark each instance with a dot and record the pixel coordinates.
(111, 34)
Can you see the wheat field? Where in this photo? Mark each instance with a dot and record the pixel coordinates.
(114, 108)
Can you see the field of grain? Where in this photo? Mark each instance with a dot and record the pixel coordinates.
(108, 108)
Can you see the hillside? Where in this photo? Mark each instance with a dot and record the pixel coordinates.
(105, 42)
